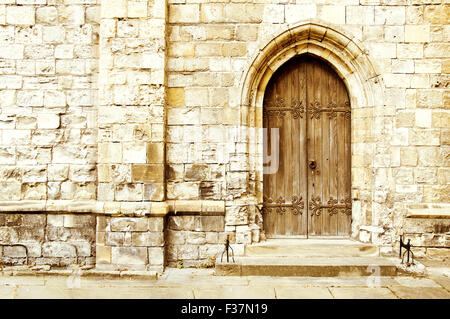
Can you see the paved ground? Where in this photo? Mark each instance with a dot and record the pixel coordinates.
(201, 283)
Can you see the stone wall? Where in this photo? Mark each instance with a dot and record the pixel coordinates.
(399, 142)
(132, 243)
(48, 97)
(53, 239)
(123, 108)
(196, 240)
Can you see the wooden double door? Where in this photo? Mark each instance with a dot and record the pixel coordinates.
(307, 116)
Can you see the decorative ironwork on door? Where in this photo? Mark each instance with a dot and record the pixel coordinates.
(280, 206)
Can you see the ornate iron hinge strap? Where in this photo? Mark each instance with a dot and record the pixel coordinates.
(345, 206)
(316, 109)
(280, 206)
(278, 108)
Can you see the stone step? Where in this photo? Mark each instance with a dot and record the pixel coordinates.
(310, 267)
(303, 248)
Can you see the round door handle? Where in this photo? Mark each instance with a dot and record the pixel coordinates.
(312, 164)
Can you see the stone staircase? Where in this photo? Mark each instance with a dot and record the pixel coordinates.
(308, 257)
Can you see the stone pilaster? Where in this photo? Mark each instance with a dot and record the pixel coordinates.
(131, 119)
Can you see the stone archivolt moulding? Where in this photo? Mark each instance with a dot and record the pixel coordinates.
(342, 52)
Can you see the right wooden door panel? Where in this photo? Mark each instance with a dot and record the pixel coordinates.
(309, 193)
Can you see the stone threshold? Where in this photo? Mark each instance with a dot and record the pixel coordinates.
(89, 273)
(156, 209)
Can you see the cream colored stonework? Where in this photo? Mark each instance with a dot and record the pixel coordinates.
(137, 108)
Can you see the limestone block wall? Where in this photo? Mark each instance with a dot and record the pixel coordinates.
(54, 239)
(195, 239)
(131, 121)
(400, 142)
(48, 98)
(134, 108)
(130, 243)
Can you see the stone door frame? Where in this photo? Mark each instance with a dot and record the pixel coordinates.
(350, 60)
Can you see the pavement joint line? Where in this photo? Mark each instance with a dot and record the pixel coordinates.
(445, 288)
(331, 293)
(393, 292)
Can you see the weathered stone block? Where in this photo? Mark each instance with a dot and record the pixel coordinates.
(129, 255)
(148, 172)
(134, 152)
(212, 223)
(195, 238)
(137, 9)
(148, 239)
(154, 191)
(103, 254)
(182, 222)
(156, 224)
(14, 251)
(183, 190)
(187, 252)
(129, 224)
(425, 175)
(417, 33)
(156, 255)
(176, 237)
(114, 238)
(110, 153)
(83, 248)
(359, 15)
(79, 221)
(58, 249)
(20, 15)
(408, 156)
(129, 192)
(208, 251)
(114, 9)
(184, 13)
(33, 220)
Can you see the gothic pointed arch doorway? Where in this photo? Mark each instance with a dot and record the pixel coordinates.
(309, 194)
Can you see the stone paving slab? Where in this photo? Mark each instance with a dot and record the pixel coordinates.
(416, 282)
(203, 284)
(235, 293)
(302, 293)
(22, 280)
(7, 292)
(135, 293)
(420, 293)
(443, 281)
(323, 281)
(362, 293)
(39, 292)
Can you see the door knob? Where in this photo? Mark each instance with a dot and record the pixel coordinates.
(312, 164)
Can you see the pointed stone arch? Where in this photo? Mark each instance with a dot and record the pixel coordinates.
(346, 55)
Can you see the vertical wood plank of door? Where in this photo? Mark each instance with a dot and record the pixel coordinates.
(302, 150)
(312, 230)
(333, 166)
(318, 89)
(325, 150)
(280, 175)
(343, 193)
